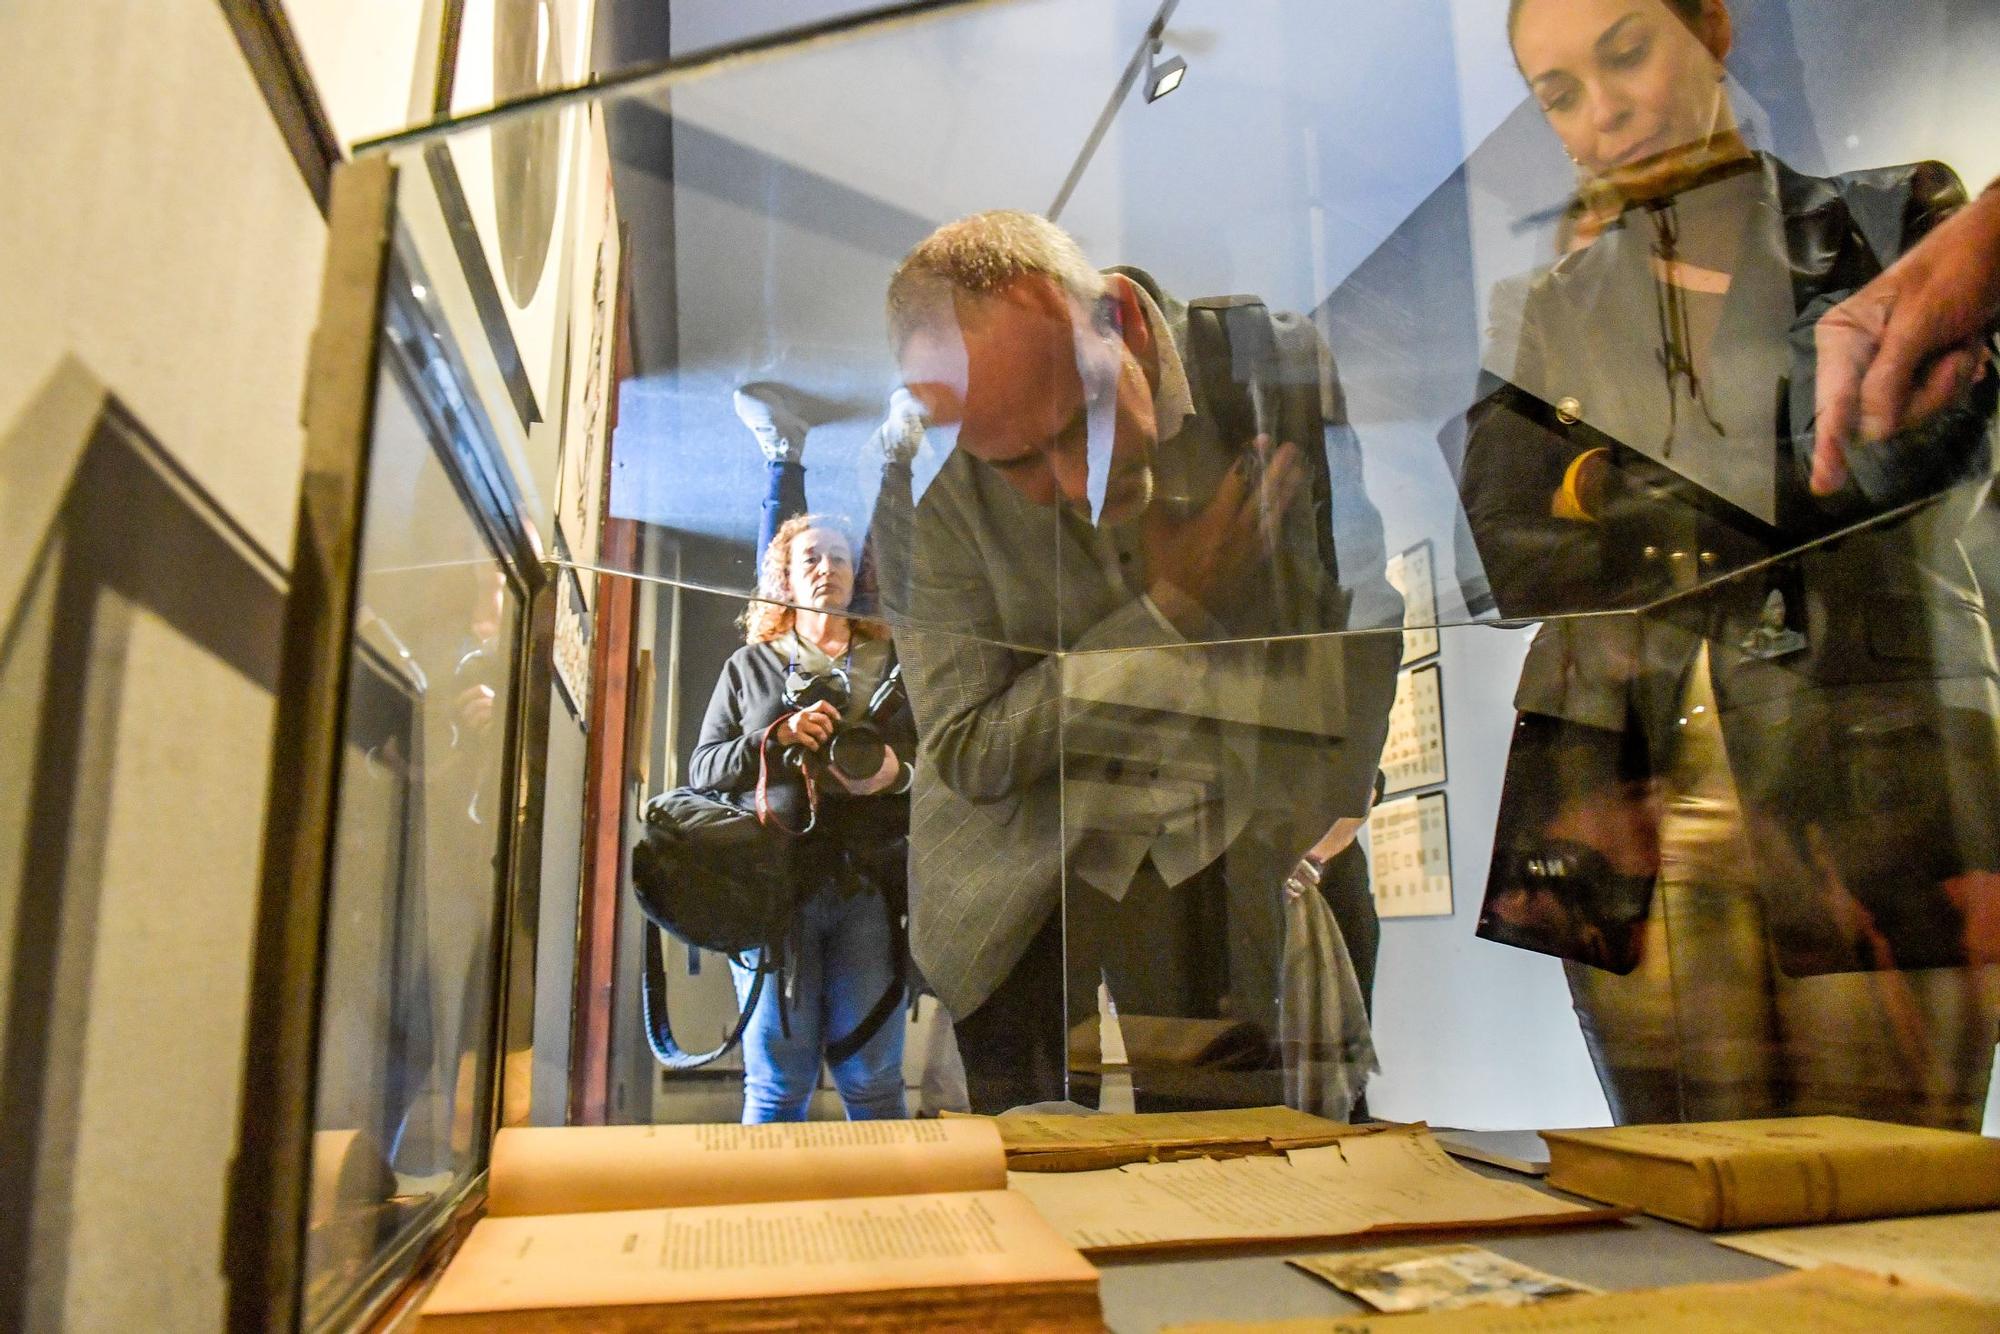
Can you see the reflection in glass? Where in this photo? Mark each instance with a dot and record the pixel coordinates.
(406, 1032)
(1758, 819)
(1128, 526)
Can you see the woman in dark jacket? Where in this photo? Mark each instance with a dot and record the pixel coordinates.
(807, 670)
(1760, 811)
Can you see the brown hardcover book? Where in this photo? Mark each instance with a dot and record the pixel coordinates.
(1809, 1169)
(821, 1225)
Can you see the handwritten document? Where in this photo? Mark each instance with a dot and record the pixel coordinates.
(1037, 1143)
(1393, 1180)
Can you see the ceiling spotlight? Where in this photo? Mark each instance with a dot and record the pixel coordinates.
(1162, 77)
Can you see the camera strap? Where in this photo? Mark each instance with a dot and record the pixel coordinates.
(765, 815)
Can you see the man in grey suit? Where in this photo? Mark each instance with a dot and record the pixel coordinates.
(1119, 764)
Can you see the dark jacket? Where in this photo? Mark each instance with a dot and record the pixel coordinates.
(856, 842)
(1865, 751)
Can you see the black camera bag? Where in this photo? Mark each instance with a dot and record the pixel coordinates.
(718, 875)
(711, 874)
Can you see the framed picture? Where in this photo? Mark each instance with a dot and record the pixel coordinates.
(1409, 846)
(589, 377)
(1413, 755)
(1412, 572)
(514, 182)
(572, 642)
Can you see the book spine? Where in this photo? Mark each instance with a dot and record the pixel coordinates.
(1769, 1189)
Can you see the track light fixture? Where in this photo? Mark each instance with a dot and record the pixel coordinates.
(1162, 76)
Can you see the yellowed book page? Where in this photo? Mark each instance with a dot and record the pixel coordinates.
(784, 1249)
(1960, 1251)
(1394, 1180)
(1069, 1143)
(577, 1169)
(1822, 1301)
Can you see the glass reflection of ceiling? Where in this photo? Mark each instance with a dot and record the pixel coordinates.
(1379, 166)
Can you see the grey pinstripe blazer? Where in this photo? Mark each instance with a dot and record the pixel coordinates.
(1003, 596)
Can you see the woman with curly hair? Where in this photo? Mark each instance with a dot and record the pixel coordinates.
(806, 669)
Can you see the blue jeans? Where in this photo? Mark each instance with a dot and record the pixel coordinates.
(840, 965)
(784, 498)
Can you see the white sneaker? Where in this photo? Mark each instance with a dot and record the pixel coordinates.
(771, 413)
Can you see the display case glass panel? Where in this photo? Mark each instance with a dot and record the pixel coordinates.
(1390, 549)
(420, 835)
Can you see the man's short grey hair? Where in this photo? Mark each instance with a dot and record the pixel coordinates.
(979, 256)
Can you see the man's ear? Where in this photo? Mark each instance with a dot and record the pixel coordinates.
(1716, 30)
(1124, 308)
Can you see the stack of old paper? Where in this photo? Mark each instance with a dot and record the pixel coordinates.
(1369, 1180)
(1960, 1251)
(1052, 1143)
(1823, 1301)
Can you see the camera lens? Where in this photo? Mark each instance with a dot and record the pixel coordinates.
(857, 751)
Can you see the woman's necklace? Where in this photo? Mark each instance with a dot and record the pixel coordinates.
(1676, 332)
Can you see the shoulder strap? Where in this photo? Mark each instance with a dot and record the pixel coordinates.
(765, 815)
(659, 1029)
(891, 999)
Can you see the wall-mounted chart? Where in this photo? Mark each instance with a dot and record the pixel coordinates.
(1413, 756)
(1409, 842)
(1412, 573)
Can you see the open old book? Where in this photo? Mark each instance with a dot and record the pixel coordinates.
(721, 1227)
(922, 1222)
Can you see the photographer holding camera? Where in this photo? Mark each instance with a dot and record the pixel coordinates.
(825, 687)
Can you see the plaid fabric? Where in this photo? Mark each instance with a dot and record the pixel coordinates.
(999, 590)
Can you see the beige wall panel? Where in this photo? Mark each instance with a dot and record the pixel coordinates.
(158, 230)
(363, 57)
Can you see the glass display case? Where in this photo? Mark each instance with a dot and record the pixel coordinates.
(1397, 608)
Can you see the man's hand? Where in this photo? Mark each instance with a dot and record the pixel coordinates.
(1203, 559)
(1910, 342)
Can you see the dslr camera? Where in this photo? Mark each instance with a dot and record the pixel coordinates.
(857, 746)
